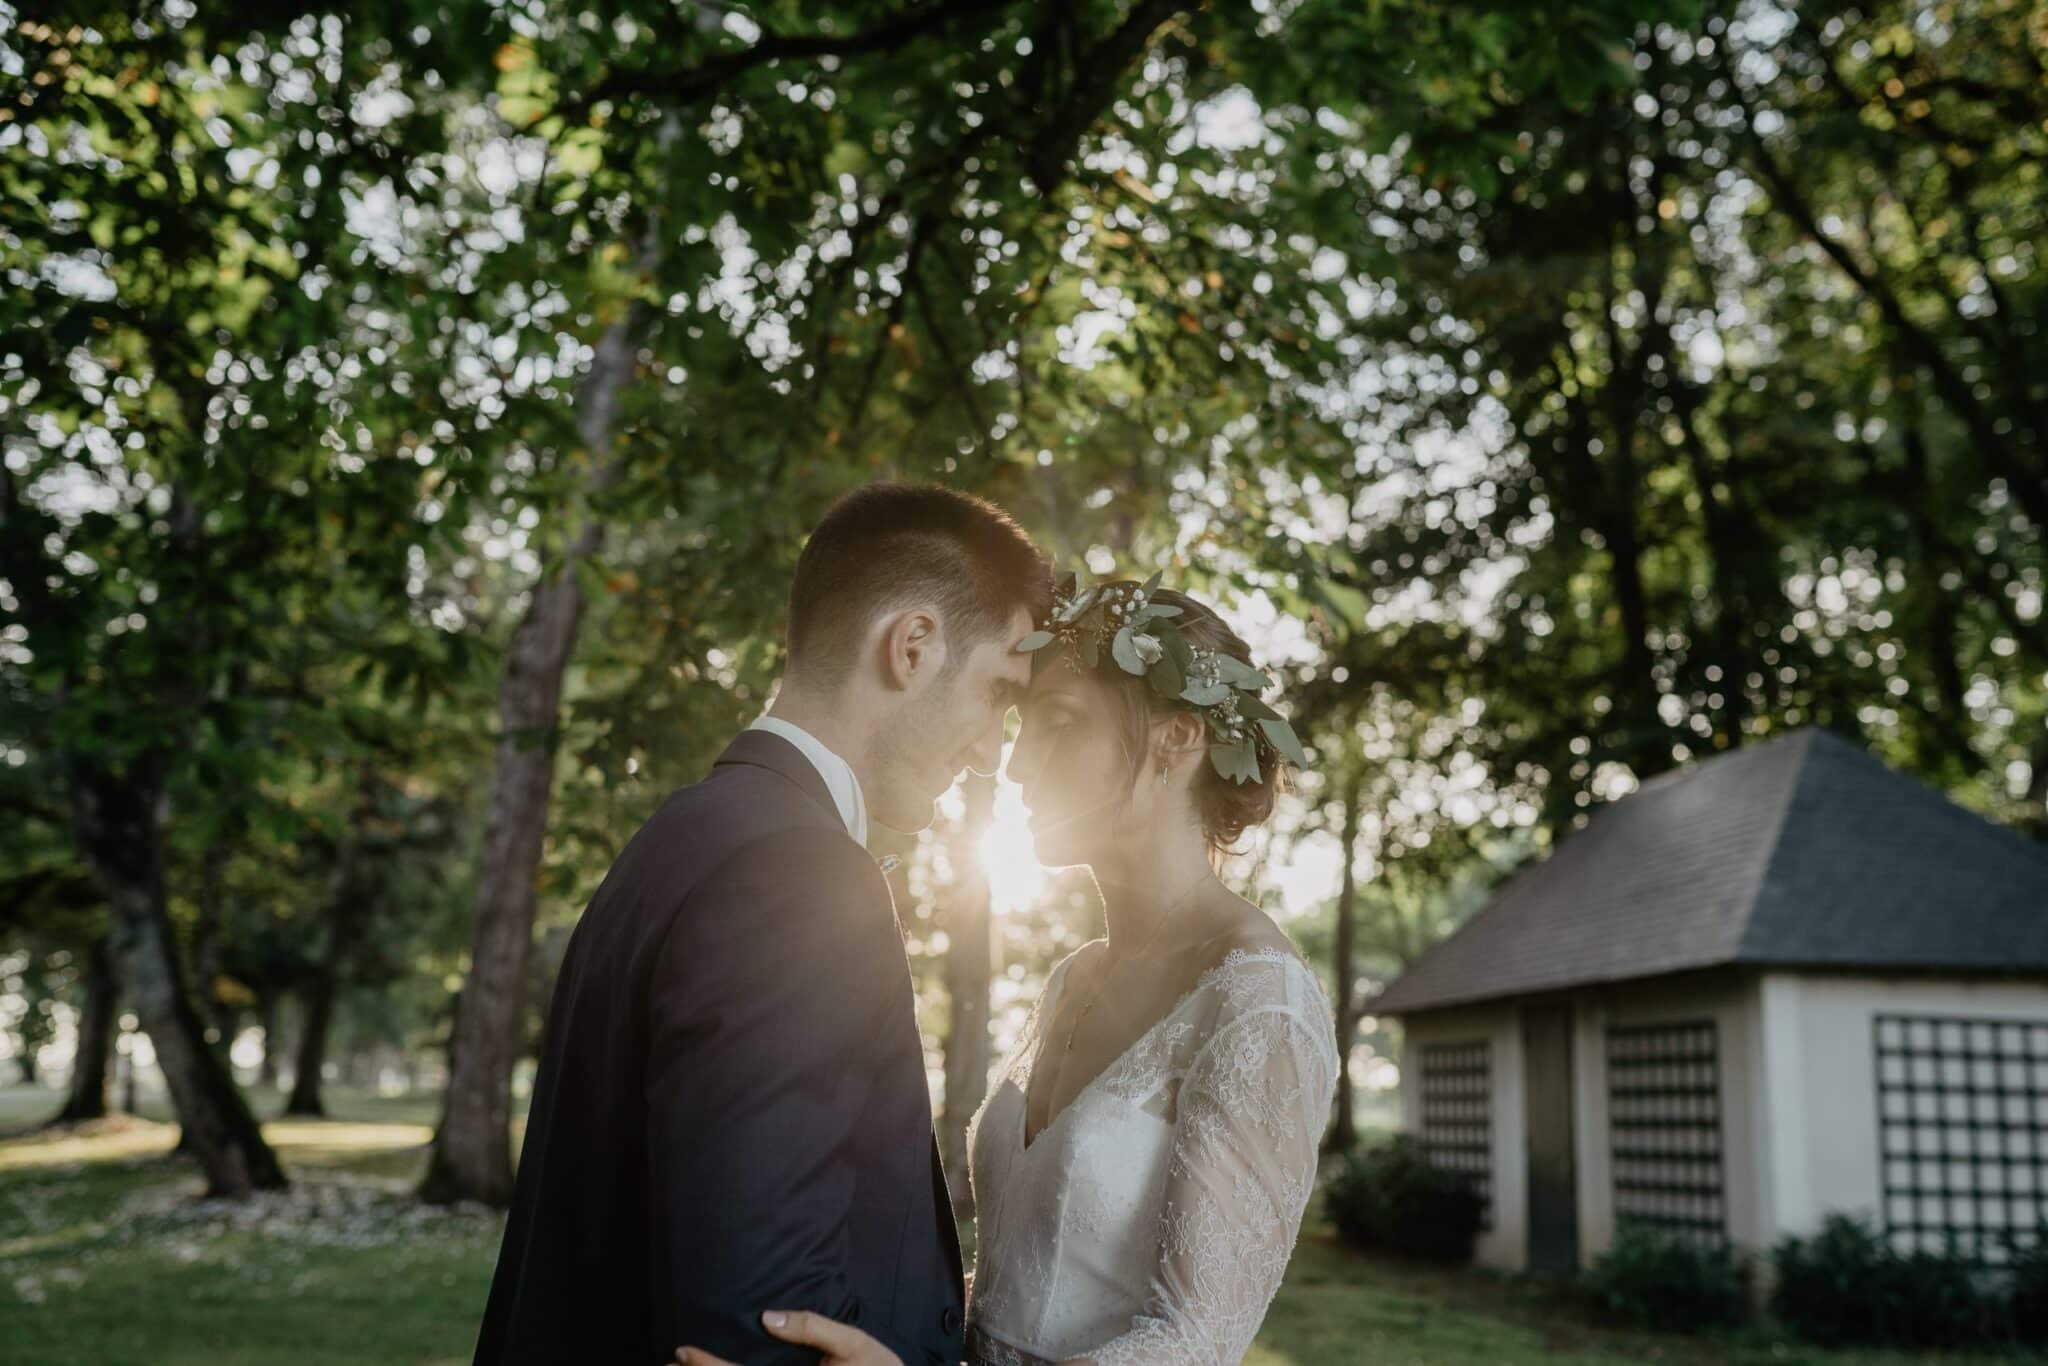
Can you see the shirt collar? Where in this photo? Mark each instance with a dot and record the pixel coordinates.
(839, 776)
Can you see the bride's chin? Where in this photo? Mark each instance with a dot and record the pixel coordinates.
(1054, 853)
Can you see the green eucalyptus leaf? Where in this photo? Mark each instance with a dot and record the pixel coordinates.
(1205, 694)
(1236, 672)
(1252, 709)
(1037, 640)
(1165, 677)
(1283, 739)
(1125, 653)
(1236, 761)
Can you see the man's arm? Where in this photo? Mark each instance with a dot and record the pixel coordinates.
(765, 1007)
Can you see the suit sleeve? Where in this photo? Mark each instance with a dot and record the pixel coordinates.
(765, 1003)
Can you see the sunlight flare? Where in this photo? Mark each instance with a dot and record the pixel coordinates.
(1007, 854)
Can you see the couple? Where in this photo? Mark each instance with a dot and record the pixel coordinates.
(729, 1155)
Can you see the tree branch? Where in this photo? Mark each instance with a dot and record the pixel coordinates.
(1096, 80)
(678, 88)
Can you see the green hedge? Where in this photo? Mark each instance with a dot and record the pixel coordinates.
(1657, 1279)
(1847, 1284)
(1389, 1197)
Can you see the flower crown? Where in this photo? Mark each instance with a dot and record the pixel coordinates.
(1146, 642)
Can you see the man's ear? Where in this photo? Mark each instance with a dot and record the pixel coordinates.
(911, 648)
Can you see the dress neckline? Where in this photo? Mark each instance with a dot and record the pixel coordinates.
(1027, 1140)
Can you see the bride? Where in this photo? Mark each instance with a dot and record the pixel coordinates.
(1141, 1165)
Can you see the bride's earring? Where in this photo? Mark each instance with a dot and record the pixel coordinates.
(1162, 773)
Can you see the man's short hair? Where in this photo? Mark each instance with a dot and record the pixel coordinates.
(887, 546)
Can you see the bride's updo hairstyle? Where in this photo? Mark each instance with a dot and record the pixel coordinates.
(1227, 808)
(1162, 652)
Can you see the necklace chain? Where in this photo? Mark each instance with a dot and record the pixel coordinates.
(1102, 984)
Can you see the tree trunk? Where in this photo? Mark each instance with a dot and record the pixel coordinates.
(312, 1056)
(1728, 575)
(266, 1020)
(346, 905)
(1344, 976)
(217, 1016)
(969, 970)
(118, 822)
(126, 1067)
(472, 1155)
(88, 1092)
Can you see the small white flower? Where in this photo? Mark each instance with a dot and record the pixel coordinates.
(1148, 647)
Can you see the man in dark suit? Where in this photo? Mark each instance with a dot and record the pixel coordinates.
(731, 1110)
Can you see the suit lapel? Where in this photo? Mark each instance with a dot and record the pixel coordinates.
(949, 1232)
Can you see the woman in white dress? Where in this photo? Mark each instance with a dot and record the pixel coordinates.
(1141, 1165)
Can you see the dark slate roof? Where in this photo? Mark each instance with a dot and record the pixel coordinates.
(1798, 851)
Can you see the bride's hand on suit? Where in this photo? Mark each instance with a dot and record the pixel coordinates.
(842, 1344)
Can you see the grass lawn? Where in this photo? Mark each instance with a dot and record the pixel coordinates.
(107, 1256)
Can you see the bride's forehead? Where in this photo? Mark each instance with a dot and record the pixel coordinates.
(1061, 685)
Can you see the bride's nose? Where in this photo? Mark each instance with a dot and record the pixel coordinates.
(1024, 762)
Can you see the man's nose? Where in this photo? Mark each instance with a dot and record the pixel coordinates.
(987, 755)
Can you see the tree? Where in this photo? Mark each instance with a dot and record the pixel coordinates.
(172, 522)
(86, 1096)
(1344, 979)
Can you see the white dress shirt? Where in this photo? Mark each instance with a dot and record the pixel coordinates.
(837, 773)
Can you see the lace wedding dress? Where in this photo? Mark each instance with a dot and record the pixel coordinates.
(1150, 1222)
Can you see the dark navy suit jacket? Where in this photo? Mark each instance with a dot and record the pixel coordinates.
(730, 1113)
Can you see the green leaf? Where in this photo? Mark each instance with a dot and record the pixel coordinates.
(1205, 694)
(1125, 653)
(1345, 602)
(1037, 640)
(1237, 673)
(1252, 709)
(1283, 739)
(1165, 677)
(1091, 649)
(1236, 762)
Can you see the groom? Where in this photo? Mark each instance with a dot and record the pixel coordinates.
(731, 1108)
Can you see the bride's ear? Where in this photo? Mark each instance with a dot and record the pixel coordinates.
(911, 648)
(1181, 735)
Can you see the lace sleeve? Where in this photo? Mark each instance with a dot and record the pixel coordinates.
(1251, 1113)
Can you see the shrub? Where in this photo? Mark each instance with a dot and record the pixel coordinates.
(2030, 1290)
(1656, 1278)
(1391, 1198)
(1847, 1284)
